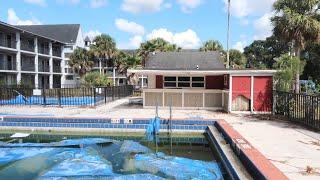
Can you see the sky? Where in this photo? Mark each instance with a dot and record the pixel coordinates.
(187, 23)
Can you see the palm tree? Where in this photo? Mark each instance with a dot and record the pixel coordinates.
(211, 45)
(125, 61)
(80, 61)
(104, 48)
(155, 45)
(297, 22)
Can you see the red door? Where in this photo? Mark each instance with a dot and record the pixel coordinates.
(262, 89)
(159, 81)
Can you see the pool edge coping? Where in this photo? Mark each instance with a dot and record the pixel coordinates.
(252, 159)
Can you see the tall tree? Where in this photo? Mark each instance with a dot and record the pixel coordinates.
(211, 45)
(237, 59)
(297, 21)
(312, 57)
(104, 48)
(80, 61)
(155, 45)
(261, 54)
(288, 66)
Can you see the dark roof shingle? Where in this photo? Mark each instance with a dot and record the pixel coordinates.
(66, 33)
(185, 60)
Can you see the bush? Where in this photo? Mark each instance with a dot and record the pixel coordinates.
(96, 79)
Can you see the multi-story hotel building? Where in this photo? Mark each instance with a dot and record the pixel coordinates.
(38, 55)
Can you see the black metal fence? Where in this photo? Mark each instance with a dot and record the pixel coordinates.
(83, 96)
(300, 108)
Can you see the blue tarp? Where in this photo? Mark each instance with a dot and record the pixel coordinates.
(113, 160)
(177, 167)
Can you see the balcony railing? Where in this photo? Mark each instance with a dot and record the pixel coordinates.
(56, 53)
(8, 43)
(27, 45)
(43, 48)
(43, 68)
(57, 69)
(28, 67)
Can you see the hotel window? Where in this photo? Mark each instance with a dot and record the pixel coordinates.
(183, 82)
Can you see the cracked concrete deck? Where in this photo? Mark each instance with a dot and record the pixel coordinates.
(291, 148)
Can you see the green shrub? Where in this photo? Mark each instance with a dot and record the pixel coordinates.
(96, 79)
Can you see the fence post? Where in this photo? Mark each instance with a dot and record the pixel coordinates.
(44, 96)
(113, 93)
(274, 102)
(94, 96)
(59, 97)
(105, 95)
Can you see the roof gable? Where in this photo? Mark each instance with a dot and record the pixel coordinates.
(189, 60)
(66, 33)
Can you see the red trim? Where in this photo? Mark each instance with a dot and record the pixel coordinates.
(263, 165)
(214, 82)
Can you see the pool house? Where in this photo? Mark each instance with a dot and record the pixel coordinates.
(199, 80)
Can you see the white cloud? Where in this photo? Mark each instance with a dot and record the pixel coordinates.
(188, 5)
(92, 34)
(240, 45)
(243, 8)
(138, 6)
(36, 2)
(69, 1)
(98, 3)
(15, 20)
(263, 27)
(135, 41)
(130, 27)
(187, 39)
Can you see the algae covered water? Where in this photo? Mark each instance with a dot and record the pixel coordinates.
(102, 158)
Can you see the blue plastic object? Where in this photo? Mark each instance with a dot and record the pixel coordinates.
(152, 129)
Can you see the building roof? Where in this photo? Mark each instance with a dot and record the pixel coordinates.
(87, 39)
(66, 33)
(185, 60)
(26, 31)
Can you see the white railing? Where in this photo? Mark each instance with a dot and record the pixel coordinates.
(185, 98)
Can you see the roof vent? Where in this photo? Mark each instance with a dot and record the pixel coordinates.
(197, 67)
(153, 53)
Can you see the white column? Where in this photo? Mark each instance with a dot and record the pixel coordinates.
(142, 81)
(18, 57)
(63, 66)
(230, 94)
(51, 66)
(36, 63)
(251, 93)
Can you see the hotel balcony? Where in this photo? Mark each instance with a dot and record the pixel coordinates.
(7, 40)
(43, 65)
(56, 50)
(43, 48)
(27, 63)
(56, 66)
(7, 62)
(27, 45)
